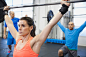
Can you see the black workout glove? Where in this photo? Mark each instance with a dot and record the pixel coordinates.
(64, 9)
(5, 12)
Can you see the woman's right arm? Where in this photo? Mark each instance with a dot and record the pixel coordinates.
(10, 25)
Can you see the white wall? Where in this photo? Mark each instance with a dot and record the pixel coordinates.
(82, 41)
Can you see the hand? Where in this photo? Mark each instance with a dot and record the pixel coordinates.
(4, 36)
(64, 2)
(6, 8)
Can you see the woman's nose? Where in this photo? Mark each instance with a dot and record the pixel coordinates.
(19, 28)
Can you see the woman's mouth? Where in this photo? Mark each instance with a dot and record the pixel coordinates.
(20, 32)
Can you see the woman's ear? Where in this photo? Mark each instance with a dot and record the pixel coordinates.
(31, 27)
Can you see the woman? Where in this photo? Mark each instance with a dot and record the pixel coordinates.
(26, 45)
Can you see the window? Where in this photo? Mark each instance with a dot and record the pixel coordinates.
(80, 16)
(21, 12)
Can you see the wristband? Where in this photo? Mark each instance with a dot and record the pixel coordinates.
(5, 12)
(64, 9)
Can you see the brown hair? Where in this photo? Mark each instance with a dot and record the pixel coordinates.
(30, 22)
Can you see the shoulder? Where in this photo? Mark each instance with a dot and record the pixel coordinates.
(66, 28)
(16, 18)
(4, 22)
(76, 28)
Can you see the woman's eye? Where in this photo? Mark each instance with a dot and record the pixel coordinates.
(23, 25)
(18, 25)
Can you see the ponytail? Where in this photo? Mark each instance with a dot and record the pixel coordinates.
(33, 31)
(30, 22)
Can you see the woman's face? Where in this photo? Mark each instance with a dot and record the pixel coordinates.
(24, 28)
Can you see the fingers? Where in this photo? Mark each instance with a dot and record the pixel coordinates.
(64, 2)
(6, 8)
(4, 36)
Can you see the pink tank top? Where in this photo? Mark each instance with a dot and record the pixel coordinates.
(26, 51)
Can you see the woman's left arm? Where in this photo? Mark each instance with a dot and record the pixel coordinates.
(45, 32)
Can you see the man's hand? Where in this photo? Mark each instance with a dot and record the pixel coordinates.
(4, 36)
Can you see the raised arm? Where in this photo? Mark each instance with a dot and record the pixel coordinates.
(82, 27)
(61, 26)
(45, 32)
(9, 23)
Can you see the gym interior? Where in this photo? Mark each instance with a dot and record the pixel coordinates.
(56, 38)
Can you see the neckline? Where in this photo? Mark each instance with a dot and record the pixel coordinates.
(24, 45)
(70, 30)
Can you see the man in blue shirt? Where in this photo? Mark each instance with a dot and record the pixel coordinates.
(10, 39)
(71, 36)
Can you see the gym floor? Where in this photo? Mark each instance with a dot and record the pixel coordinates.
(47, 49)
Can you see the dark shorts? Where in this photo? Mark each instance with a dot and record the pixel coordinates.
(71, 53)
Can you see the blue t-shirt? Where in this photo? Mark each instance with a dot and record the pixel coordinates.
(71, 36)
(15, 21)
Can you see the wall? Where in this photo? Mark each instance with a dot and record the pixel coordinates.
(82, 41)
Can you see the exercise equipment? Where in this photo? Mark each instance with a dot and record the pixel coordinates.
(50, 15)
(55, 41)
(3, 3)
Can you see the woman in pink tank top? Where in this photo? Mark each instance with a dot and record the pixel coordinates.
(26, 45)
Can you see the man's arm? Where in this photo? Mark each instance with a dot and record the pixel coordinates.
(61, 26)
(82, 27)
(5, 27)
(4, 35)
